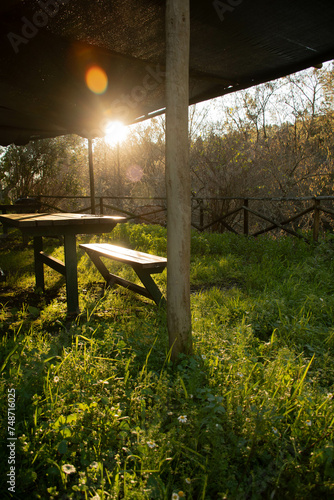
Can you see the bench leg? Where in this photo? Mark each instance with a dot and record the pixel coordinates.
(117, 280)
(112, 279)
(150, 289)
(150, 285)
(99, 265)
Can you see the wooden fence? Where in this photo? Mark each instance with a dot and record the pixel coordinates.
(251, 216)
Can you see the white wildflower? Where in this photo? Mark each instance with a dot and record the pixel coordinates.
(68, 469)
(182, 419)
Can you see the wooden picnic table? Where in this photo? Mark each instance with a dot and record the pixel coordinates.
(67, 225)
(19, 208)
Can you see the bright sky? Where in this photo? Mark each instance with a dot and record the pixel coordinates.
(116, 133)
(213, 109)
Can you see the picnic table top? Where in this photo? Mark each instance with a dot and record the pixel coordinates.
(61, 223)
(57, 219)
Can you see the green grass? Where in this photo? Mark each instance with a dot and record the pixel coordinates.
(98, 402)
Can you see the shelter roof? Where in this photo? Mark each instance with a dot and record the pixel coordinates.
(47, 47)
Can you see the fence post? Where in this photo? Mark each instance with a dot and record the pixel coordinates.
(101, 205)
(246, 223)
(316, 221)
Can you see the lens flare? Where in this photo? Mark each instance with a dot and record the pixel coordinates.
(96, 80)
(134, 173)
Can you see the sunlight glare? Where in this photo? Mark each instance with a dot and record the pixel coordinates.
(116, 132)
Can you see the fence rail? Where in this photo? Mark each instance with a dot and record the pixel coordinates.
(251, 216)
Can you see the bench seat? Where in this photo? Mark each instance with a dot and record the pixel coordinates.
(143, 264)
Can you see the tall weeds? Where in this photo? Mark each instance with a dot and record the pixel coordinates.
(102, 413)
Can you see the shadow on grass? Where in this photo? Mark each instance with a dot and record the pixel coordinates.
(12, 298)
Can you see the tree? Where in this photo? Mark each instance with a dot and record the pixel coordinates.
(43, 167)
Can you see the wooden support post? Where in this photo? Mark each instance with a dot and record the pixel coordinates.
(246, 223)
(178, 177)
(39, 269)
(316, 221)
(91, 175)
(101, 205)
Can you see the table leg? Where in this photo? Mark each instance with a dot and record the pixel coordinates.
(4, 226)
(71, 274)
(4, 230)
(39, 271)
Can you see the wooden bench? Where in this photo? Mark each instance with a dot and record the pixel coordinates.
(143, 264)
